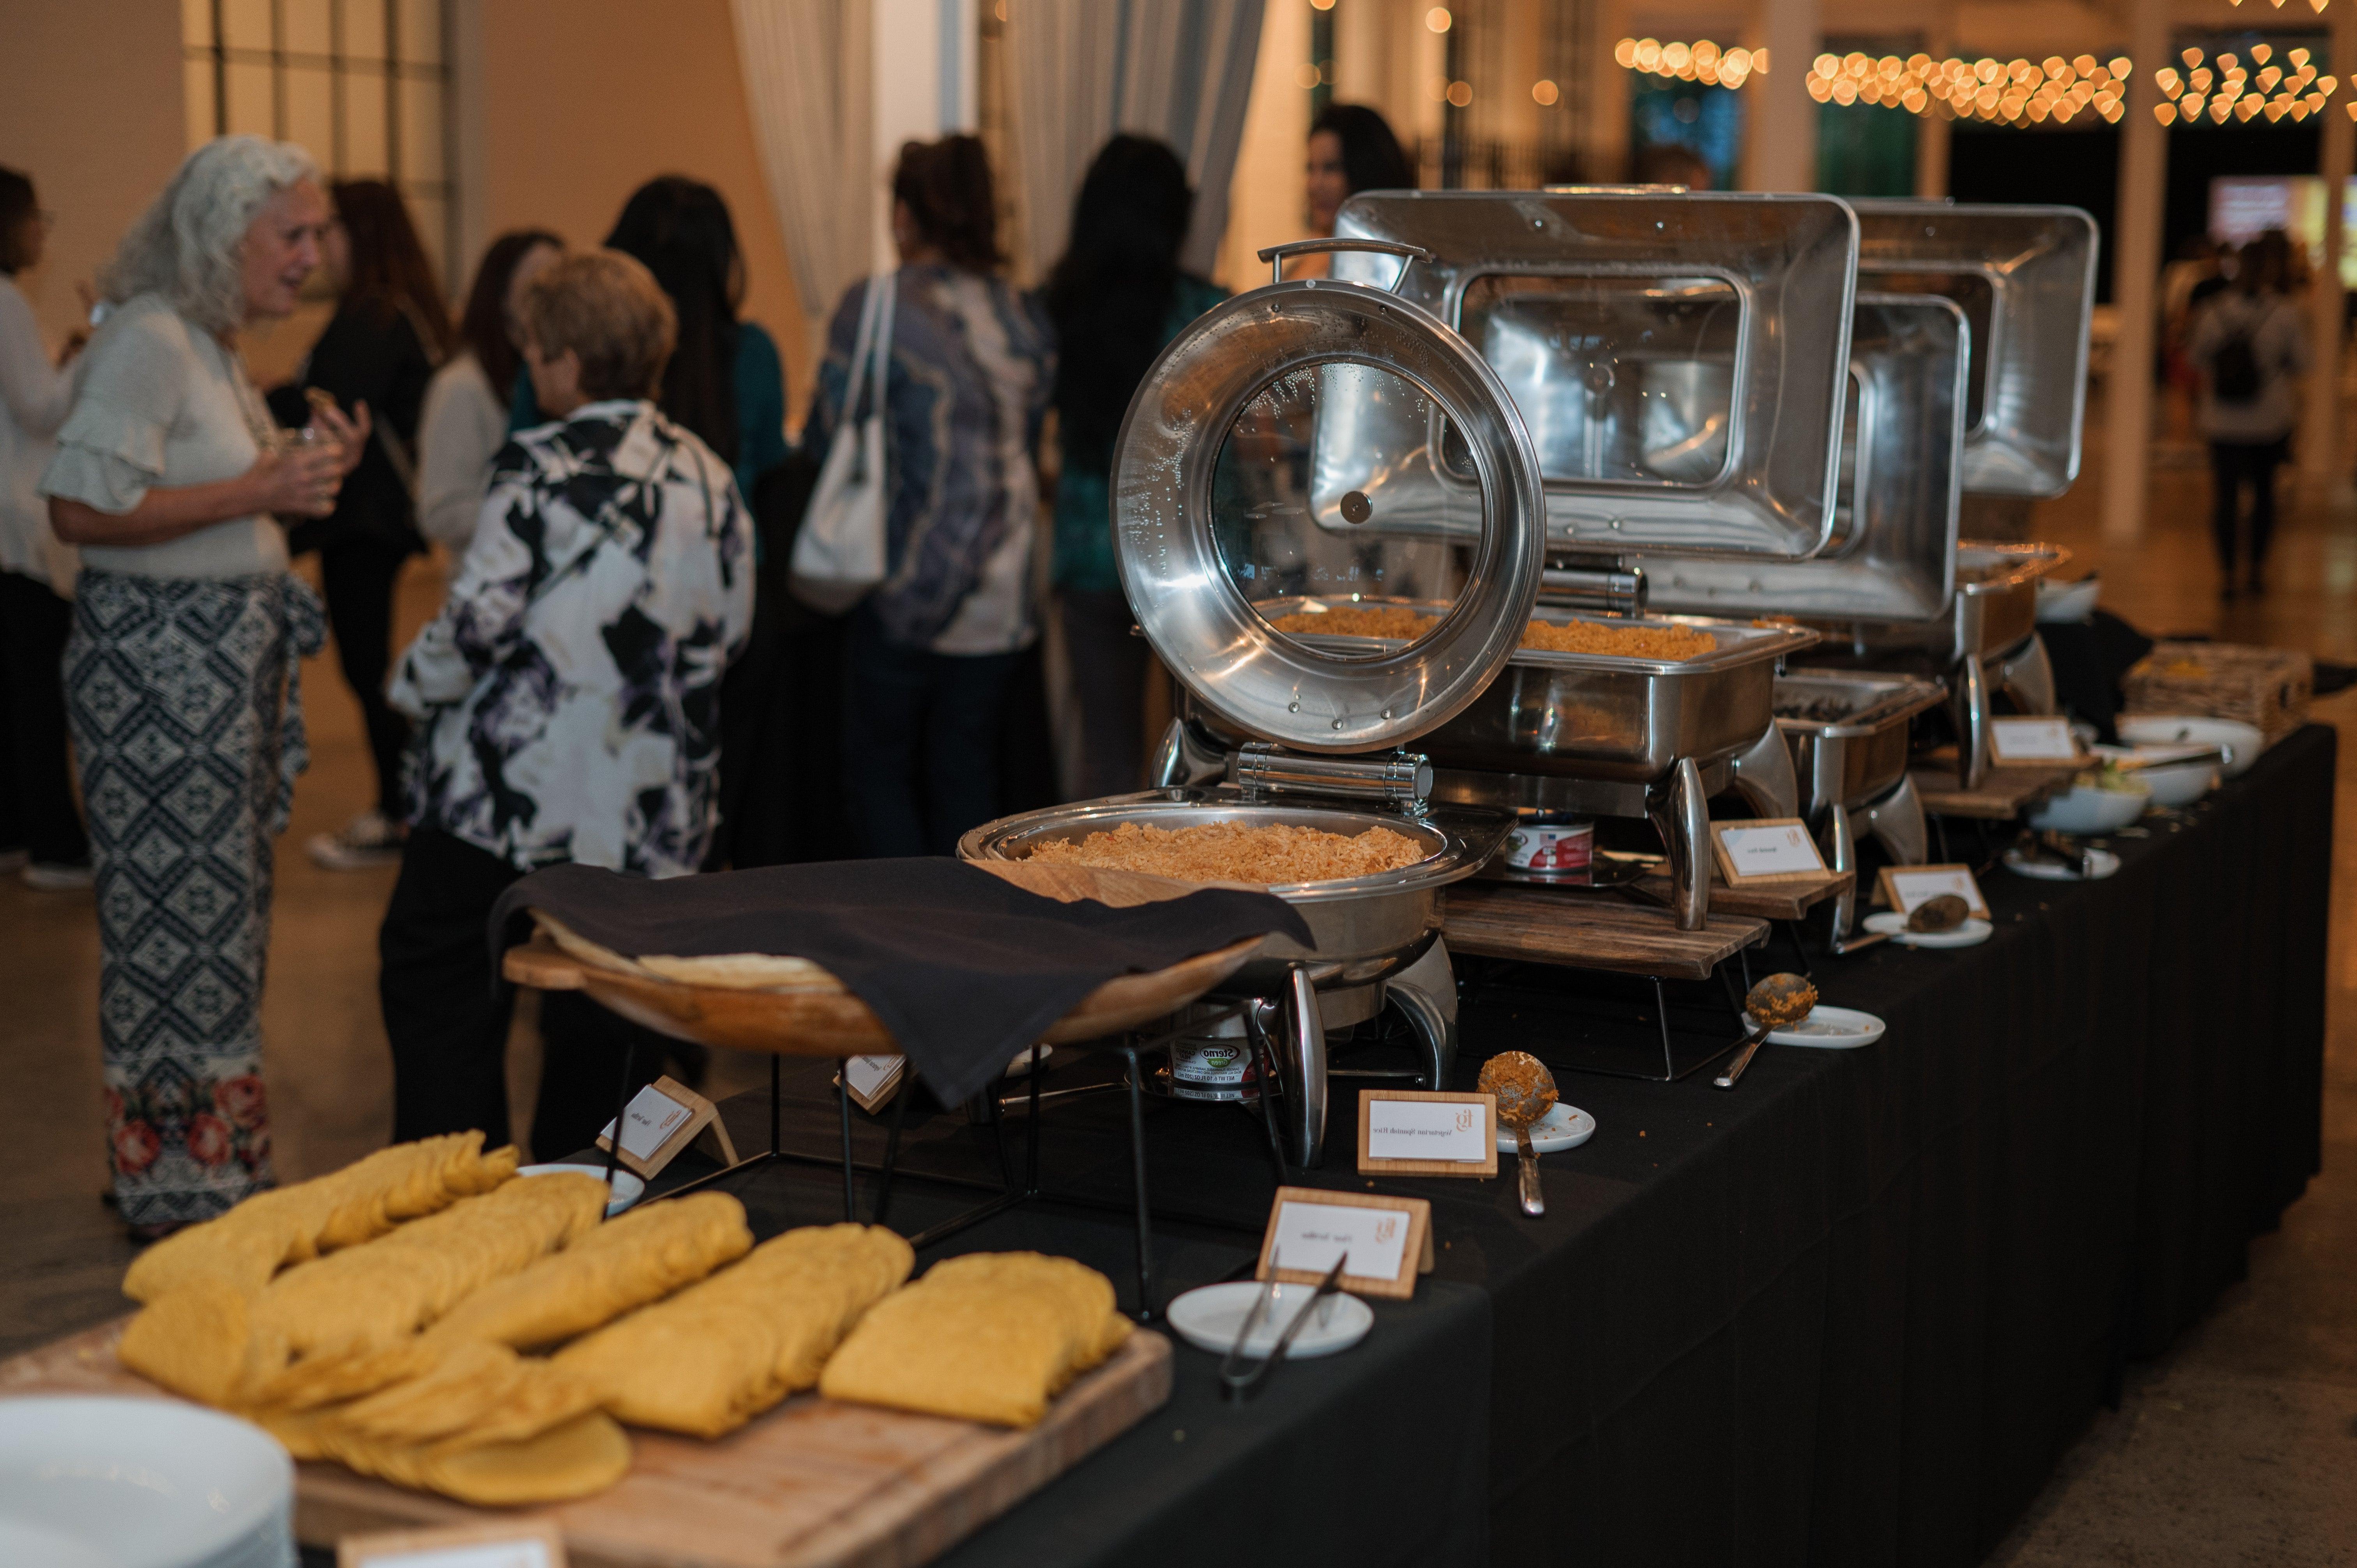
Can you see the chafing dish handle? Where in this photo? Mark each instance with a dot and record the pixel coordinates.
(1276, 255)
(1612, 591)
(1400, 780)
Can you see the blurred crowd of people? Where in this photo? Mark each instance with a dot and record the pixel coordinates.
(620, 673)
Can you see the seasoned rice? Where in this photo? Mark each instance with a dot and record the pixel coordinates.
(1358, 621)
(1668, 642)
(1657, 642)
(1231, 851)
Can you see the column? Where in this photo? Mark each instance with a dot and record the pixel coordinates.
(1781, 118)
(2319, 428)
(2135, 278)
(1931, 130)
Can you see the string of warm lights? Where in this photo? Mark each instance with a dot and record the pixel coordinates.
(2008, 90)
(1705, 62)
(2224, 87)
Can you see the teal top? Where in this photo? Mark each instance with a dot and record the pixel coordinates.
(760, 376)
(1084, 557)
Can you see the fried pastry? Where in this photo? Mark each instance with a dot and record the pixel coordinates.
(250, 1244)
(370, 1296)
(641, 1257)
(718, 1353)
(990, 1337)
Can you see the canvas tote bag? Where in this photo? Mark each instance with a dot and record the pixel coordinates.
(839, 554)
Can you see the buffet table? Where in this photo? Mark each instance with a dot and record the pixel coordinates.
(1850, 1312)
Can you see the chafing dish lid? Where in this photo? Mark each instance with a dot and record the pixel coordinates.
(1263, 441)
(1893, 557)
(1679, 359)
(2024, 277)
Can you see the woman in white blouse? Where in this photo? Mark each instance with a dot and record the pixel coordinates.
(466, 418)
(40, 831)
(181, 671)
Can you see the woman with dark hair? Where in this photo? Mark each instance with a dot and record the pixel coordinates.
(465, 421)
(1115, 298)
(1352, 149)
(40, 833)
(930, 652)
(725, 381)
(390, 329)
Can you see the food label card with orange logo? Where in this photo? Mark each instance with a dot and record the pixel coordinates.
(1405, 1132)
(1385, 1241)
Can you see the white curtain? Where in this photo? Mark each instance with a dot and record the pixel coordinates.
(1082, 70)
(806, 80)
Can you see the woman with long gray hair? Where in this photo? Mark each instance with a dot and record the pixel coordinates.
(181, 673)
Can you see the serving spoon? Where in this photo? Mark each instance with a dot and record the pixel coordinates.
(1525, 1092)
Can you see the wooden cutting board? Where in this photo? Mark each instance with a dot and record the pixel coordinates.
(813, 1484)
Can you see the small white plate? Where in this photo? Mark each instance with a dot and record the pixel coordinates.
(2021, 864)
(1830, 1029)
(141, 1483)
(1209, 1318)
(1022, 1062)
(1564, 1127)
(629, 1187)
(1892, 924)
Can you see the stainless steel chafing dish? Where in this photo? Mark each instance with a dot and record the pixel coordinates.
(1849, 735)
(1222, 528)
(2025, 278)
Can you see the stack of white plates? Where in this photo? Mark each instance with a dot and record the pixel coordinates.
(137, 1482)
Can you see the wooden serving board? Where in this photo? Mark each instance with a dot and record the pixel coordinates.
(2003, 794)
(1764, 901)
(825, 1020)
(1541, 925)
(813, 1484)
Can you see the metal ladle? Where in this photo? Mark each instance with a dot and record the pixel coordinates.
(1524, 1091)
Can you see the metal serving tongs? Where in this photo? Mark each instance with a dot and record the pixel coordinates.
(1243, 1386)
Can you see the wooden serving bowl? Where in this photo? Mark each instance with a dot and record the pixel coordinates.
(825, 1020)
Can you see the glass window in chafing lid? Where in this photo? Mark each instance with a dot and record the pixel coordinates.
(1324, 515)
(1620, 378)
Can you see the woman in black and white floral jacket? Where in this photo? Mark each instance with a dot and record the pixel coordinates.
(567, 700)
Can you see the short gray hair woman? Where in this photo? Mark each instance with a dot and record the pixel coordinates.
(181, 673)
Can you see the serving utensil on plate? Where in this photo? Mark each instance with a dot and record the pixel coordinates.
(1242, 1386)
(1525, 1092)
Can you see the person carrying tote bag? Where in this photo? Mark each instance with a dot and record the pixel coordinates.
(839, 552)
(932, 647)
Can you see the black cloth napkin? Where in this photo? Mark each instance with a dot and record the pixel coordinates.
(2090, 660)
(964, 968)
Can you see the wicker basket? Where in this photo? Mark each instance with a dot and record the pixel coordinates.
(2268, 688)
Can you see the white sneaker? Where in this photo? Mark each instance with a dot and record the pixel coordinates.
(368, 840)
(52, 877)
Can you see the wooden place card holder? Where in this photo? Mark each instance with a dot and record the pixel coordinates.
(1391, 1237)
(1902, 887)
(1455, 1135)
(501, 1543)
(1765, 852)
(664, 1118)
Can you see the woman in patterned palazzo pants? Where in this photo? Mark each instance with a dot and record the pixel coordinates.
(181, 671)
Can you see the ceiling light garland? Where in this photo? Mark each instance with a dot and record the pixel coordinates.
(1704, 61)
(2009, 91)
(2228, 86)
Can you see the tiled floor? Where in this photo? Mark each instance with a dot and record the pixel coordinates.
(2238, 1447)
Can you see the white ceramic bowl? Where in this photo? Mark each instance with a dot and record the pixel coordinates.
(2084, 809)
(2243, 741)
(146, 1483)
(2174, 785)
(2068, 601)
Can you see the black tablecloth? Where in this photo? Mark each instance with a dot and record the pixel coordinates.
(1849, 1313)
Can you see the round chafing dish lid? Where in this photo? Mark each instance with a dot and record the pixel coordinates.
(1265, 483)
